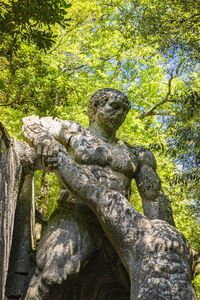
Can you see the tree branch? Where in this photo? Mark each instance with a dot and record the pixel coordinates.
(73, 68)
(150, 112)
(62, 37)
(7, 104)
(161, 114)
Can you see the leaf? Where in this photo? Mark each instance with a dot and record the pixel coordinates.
(2, 85)
(64, 4)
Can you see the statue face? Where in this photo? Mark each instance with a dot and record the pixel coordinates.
(113, 113)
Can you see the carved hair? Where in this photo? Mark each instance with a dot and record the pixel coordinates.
(100, 97)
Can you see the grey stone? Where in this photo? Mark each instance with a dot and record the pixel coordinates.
(94, 217)
(16, 158)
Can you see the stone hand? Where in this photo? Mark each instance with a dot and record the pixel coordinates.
(32, 129)
(47, 149)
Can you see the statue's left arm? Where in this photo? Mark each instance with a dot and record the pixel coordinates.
(154, 253)
(156, 204)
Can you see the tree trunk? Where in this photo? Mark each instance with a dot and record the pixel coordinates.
(15, 200)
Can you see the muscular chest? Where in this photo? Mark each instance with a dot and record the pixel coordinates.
(89, 150)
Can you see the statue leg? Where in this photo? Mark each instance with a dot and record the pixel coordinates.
(64, 249)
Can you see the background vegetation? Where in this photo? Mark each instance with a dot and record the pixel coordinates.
(54, 54)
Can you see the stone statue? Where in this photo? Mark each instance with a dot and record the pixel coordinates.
(94, 218)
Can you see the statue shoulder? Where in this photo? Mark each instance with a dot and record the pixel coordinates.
(73, 127)
(143, 155)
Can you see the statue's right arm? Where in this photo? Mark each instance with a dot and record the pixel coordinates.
(43, 130)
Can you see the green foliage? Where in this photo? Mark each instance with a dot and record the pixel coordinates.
(46, 192)
(11, 119)
(29, 21)
(148, 49)
(196, 283)
(172, 26)
(22, 24)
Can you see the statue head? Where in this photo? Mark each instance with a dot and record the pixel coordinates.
(110, 105)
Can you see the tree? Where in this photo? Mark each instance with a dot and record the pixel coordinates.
(30, 21)
(26, 23)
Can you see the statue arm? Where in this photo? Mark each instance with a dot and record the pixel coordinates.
(115, 214)
(156, 204)
(37, 129)
(48, 136)
(154, 253)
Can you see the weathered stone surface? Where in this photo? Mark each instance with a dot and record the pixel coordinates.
(70, 264)
(112, 161)
(22, 257)
(155, 254)
(15, 158)
(134, 256)
(10, 177)
(97, 168)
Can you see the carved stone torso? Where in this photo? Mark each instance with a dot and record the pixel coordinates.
(113, 164)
